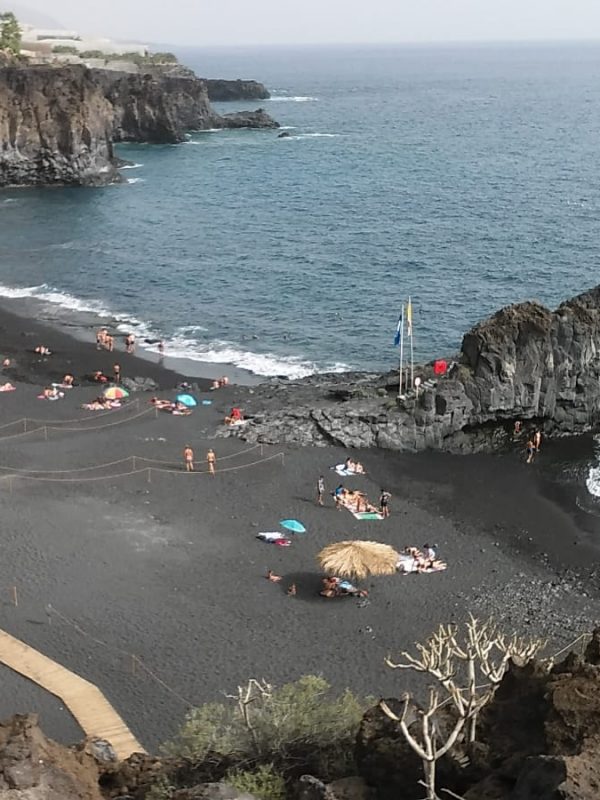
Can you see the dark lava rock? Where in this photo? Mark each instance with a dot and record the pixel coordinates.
(525, 363)
(224, 91)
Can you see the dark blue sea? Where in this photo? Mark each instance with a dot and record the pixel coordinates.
(465, 177)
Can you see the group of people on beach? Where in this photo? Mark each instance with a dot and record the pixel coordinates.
(188, 460)
(534, 441)
(354, 500)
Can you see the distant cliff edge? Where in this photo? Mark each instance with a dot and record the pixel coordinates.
(58, 124)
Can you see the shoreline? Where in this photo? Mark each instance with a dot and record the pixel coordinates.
(82, 332)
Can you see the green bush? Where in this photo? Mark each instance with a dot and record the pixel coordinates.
(93, 54)
(298, 727)
(264, 782)
(65, 49)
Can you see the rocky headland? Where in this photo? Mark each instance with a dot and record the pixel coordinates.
(58, 124)
(524, 363)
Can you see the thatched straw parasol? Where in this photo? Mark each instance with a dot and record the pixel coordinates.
(358, 559)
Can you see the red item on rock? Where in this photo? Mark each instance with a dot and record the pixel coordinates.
(439, 367)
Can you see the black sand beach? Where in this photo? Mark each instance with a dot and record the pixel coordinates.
(166, 567)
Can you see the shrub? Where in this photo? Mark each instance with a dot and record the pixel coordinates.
(264, 782)
(298, 727)
(65, 49)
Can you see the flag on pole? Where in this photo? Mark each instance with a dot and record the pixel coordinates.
(398, 335)
(409, 318)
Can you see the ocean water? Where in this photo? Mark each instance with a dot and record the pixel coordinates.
(465, 177)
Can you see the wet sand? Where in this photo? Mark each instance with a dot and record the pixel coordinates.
(166, 566)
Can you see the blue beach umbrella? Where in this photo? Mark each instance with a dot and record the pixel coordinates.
(186, 400)
(293, 525)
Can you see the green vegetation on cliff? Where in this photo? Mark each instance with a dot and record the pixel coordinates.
(10, 33)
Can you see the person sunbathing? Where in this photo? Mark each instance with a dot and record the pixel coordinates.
(162, 405)
(358, 468)
(336, 587)
(180, 410)
(235, 415)
(67, 380)
(349, 465)
(99, 377)
(42, 350)
(7, 387)
(330, 587)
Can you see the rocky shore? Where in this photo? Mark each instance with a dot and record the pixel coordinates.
(58, 124)
(538, 738)
(525, 363)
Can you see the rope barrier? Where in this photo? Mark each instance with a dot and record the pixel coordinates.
(102, 427)
(221, 458)
(146, 470)
(25, 420)
(133, 458)
(127, 406)
(51, 610)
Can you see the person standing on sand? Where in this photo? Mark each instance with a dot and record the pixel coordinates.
(537, 440)
(161, 348)
(384, 503)
(517, 428)
(188, 457)
(109, 343)
(211, 460)
(100, 339)
(130, 343)
(117, 373)
(530, 451)
(337, 496)
(320, 490)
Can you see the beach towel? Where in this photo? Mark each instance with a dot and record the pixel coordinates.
(367, 515)
(350, 505)
(345, 473)
(274, 537)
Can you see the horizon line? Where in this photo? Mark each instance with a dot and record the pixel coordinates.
(396, 43)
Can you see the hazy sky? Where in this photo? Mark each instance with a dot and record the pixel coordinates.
(314, 21)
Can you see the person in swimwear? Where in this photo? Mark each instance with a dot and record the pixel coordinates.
(68, 379)
(188, 457)
(211, 460)
(130, 343)
(530, 449)
(117, 373)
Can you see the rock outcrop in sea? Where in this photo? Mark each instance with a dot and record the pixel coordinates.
(226, 91)
(58, 124)
(524, 363)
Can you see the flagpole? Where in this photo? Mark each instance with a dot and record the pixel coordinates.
(401, 353)
(412, 367)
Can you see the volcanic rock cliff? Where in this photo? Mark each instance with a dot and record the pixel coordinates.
(524, 363)
(55, 128)
(57, 125)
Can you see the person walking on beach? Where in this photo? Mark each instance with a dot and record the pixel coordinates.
(530, 451)
(537, 440)
(320, 490)
(117, 373)
(100, 334)
(109, 343)
(211, 460)
(161, 348)
(337, 496)
(188, 458)
(130, 343)
(384, 501)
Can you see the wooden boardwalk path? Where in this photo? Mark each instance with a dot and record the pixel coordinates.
(85, 701)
